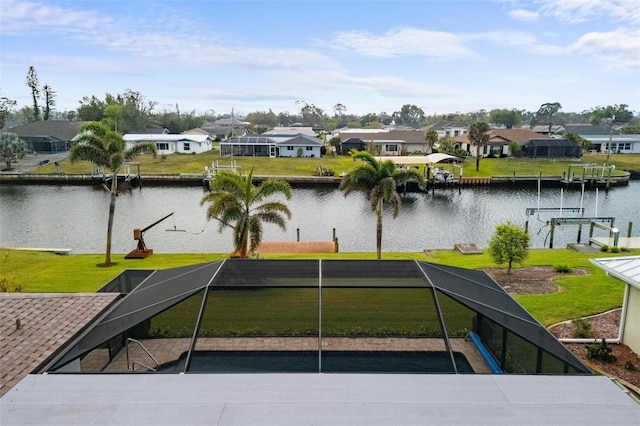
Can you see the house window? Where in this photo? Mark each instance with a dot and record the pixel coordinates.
(162, 146)
(309, 148)
(456, 132)
(186, 146)
(392, 148)
(289, 148)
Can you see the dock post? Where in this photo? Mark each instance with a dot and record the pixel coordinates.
(591, 231)
(616, 236)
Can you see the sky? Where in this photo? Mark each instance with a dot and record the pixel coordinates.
(443, 56)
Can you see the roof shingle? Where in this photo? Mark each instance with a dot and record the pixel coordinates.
(34, 325)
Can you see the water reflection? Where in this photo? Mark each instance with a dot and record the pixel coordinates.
(75, 217)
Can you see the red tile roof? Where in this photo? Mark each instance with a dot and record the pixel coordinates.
(34, 325)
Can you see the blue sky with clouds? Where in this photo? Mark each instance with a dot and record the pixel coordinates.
(371, 56)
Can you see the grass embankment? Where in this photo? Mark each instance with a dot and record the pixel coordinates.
(264, 166)
(579, 295)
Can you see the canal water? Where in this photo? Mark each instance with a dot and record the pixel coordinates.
(75, 217)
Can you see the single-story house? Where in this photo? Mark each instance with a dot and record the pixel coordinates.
(273, 145)
(48, 136)
(300, 146)
(392, 142)
(172, 143)
(482, 357)
(533, 144)
(626, 269)
(622, 144)
(222, 128)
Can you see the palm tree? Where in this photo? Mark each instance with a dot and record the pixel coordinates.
(478, 135)
(237, 203)
(379, 180)
(431, 137)
(106, 149)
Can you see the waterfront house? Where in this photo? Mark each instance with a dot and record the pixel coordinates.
(534, 145)
(620, 144)
(391, 142)
(171, 143)
(300, 146)
(276, 143)
(156, 340)
(48, 136)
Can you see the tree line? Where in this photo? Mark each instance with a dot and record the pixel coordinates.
(132, 111)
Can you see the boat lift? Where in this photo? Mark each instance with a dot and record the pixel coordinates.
(142, 252)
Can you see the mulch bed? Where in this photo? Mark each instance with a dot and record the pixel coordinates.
(539, 280)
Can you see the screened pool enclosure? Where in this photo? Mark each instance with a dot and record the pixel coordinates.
(327, 316)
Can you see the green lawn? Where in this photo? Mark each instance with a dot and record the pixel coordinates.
(579, 295)
(263, 166)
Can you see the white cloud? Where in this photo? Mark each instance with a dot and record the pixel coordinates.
(524, 15)
(200, 49)
(575, 11)
(617, 49)
(524, 41)
(25, 17)
(379, 85)
(403, 42)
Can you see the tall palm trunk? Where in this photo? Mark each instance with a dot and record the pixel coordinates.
(477, 157)
(112, 211)
(244, 245)
(379, 238)
(379, 230)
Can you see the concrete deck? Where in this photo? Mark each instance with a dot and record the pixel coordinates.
(166, 350)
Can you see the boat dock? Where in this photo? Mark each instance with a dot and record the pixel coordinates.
(61, 251)
(197, 179)
(626, 242)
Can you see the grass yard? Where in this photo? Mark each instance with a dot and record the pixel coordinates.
(264, 166)
(579, 295)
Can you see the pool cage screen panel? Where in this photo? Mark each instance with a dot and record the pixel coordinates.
(326, 299)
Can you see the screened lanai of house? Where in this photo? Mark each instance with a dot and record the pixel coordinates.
(236, 315)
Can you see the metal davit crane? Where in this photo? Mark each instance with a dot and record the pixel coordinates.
(142, 251)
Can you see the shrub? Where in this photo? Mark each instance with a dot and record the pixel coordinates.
(562, 268)
(604, 247)
(615, 249)
(321, 170)
(600, 351)
(583, 328)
